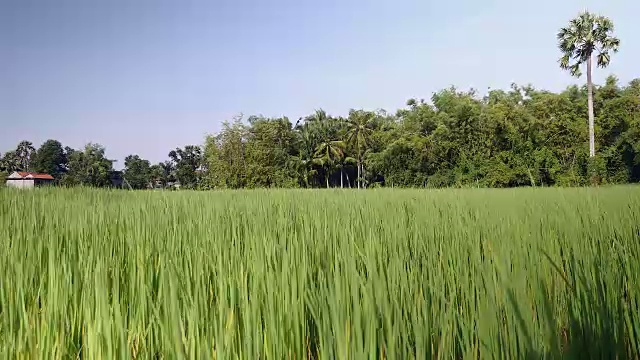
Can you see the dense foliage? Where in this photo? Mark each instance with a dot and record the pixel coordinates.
(519, 137)
(286, 274)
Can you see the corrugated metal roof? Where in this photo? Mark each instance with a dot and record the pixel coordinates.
(30, 175)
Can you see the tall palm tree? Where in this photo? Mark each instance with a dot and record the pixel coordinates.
(586, 34)
(25, 151)
(328, 154)
(343, 163)
(319, 117)
(303, 163)
(317, 143)
(358, 134)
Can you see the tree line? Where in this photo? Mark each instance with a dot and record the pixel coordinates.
(519, 137)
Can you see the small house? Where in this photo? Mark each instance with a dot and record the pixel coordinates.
(28, 180)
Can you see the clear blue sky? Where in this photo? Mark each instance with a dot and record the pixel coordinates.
(145, 76)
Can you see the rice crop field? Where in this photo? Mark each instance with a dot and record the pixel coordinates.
(320, 274)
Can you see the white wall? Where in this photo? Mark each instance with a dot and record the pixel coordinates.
(22, 184)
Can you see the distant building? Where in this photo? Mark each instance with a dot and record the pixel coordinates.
(28, 180)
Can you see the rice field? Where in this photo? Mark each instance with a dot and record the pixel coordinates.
(319, 274)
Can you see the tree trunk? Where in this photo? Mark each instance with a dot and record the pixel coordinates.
(348, 181)
(341, 176)
(358, 179)
(592, 137)
(326, 177)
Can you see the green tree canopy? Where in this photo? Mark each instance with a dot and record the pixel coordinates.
(521, 136)
(10, 162)
(89, 167)
(187, 162)
(50, 158)
(137, 172)
(25, 152)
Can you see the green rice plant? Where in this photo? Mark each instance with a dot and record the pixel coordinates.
(320, 274)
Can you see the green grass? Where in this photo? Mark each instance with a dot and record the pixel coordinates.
(292, 274)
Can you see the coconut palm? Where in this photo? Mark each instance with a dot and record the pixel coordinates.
(586, 34)
(343, 163)
(317, 145)
(303, 162)
(319, 116)
(328, 154)
(358, 133)
(303, 167)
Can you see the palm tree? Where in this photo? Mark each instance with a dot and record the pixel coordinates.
(328, 154)
(578, 41)
(303, 167)
(25, 151)
(306, 143)
(319, 116)
(358, 134)
(317, 145)
(343, 163)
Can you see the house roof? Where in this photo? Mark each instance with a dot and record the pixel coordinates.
(23, 175)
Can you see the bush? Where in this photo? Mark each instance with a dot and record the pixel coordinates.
(597, 170)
